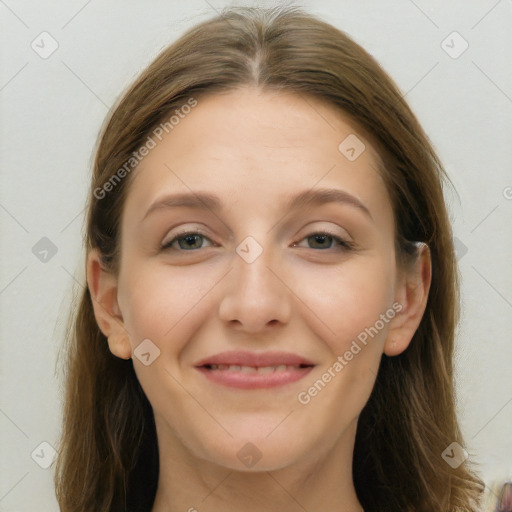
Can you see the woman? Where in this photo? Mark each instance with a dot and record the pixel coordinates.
(272, 288)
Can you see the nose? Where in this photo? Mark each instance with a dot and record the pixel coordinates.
(256, 294)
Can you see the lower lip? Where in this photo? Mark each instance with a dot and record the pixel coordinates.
(238, 379)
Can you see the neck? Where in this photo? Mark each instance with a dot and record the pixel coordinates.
(188, 484)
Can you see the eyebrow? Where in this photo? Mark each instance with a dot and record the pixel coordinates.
(207, 201)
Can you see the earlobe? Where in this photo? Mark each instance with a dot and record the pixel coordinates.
(103, 291)
(119, 345)
(412, 295)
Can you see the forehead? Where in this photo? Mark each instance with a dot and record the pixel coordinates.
(255, 147)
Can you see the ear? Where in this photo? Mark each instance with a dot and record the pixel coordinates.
(103, 290)
(411, 293)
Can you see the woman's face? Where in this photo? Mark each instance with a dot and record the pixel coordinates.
(261, 274)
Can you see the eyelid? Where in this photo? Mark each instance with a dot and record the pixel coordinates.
(181, 232)
(342, 241)
(343, 244)
(335, 231)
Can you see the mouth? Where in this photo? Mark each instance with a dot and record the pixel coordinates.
(250, 370)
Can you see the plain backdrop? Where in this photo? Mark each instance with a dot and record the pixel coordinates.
(52, 107)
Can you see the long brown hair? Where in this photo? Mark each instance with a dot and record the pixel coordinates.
(108, 458)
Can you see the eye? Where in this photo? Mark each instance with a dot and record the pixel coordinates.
(188, 240)
(323, 240)
(191, 240)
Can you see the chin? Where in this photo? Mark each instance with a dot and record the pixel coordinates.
(253, 454)
(251, 459)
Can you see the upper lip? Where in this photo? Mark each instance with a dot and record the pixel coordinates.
(256, 359)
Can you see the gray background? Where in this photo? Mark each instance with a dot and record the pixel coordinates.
(52, 109)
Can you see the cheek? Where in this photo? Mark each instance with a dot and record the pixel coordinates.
(350, 304)
(158, 302)
(347, 299)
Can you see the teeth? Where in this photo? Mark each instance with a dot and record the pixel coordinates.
(252, 369)
(266, 369)
(248, 369)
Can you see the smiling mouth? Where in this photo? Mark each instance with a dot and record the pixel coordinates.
(244, 369)
(261, 370)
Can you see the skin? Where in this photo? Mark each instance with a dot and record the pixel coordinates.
(254, 150)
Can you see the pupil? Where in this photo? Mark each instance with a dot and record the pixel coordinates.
(320, 238)
(189, 239)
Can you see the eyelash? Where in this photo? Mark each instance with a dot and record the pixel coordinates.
(344, 245)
